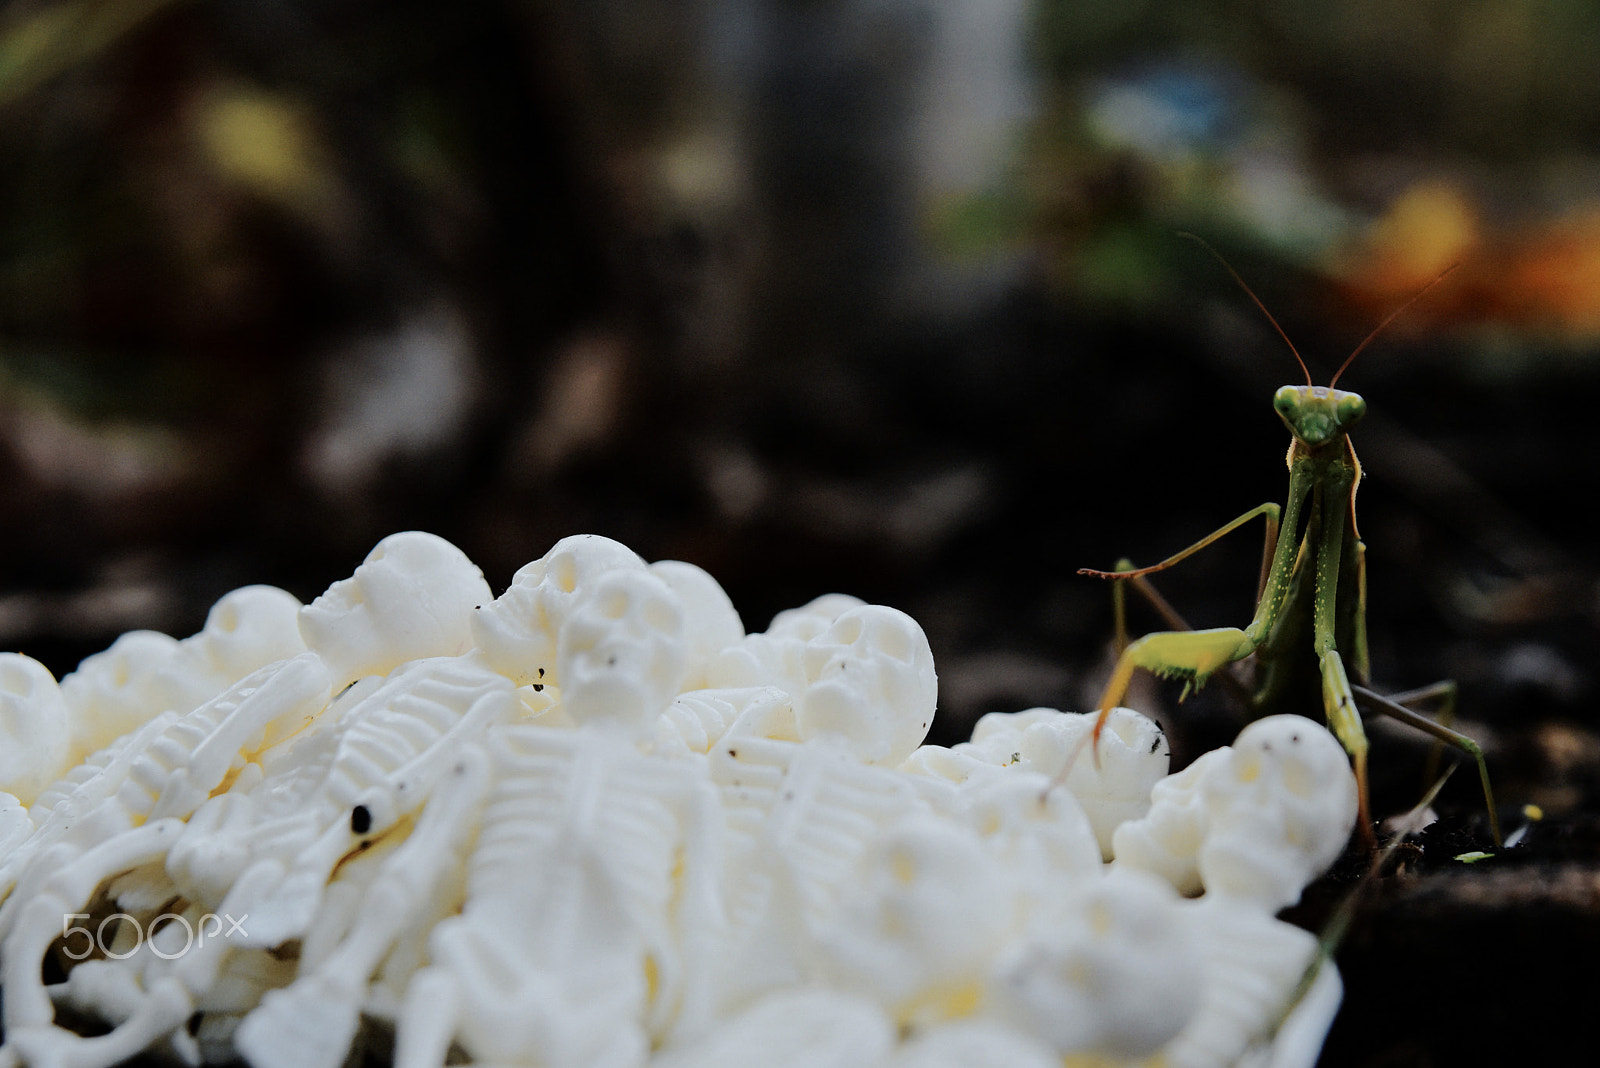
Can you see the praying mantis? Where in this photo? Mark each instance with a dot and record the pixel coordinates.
(1311, 606)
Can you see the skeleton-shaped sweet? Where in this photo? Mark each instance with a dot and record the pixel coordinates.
(245, 630)
(120, 689)
(869, 681)
(973, 1043)
(274, 815)
(167, 767)
(807, 1027)
(55, 887)
(798, 818)
(1251, 825)
(1112, 788)
(412, 597)
(697, 719)
(621, 651)
(173, 763)
(903, 929)
(711, 623)
(237, 989)
(518, 631)
(1281, 814)
(388, 750)
(1251, 966)
(311, 1022)
(1113, 969)
(15, 826)
(35, 728)
(590, 897)
(1255, 821)
(1042, 835)
(117, 989)
(129, 814)
(776, 657)
(97, 778)
(144, 673)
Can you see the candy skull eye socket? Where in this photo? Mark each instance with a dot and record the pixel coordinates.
(564, 572)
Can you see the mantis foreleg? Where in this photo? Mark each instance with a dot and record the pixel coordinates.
(1194, 655)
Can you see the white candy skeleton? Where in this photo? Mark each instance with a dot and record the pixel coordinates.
(593, 823)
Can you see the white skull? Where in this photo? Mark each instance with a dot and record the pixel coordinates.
(712, 622)
(120, 689)
(518, 631)
(246, 629)
(1050, 839)
(1281, 809)
(1113, 785)
(1113, 969)
(250, 628)
(869, 680)
(411, 597)
(622, 651)
(35, 728)
(813, 617)
(776, 657)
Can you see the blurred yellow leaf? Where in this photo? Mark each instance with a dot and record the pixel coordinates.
(263, 142)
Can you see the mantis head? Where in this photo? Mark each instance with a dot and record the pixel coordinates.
(1316, 415)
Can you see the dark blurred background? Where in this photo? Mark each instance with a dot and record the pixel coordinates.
(881, 296)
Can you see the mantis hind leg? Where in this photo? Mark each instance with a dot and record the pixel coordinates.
(1391, 707)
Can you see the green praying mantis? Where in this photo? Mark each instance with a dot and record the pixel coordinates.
(1309, 630)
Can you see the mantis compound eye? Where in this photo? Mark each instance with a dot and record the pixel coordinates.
(1351, 408)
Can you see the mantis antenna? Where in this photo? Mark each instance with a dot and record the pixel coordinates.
(1348, 360)
(1387, 320)
(1203, 243)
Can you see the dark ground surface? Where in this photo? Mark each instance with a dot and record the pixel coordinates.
(743, 392)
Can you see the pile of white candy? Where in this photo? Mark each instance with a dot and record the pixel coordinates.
(593, 823)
